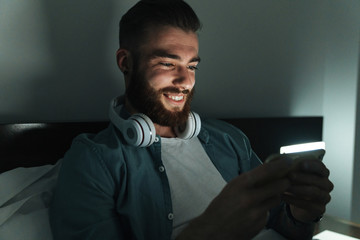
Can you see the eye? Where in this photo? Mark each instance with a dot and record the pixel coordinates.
(193, 68)
(166, 64)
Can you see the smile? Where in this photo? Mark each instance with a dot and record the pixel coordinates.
(176, 98)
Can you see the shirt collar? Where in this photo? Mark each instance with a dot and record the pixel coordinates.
(204, 135)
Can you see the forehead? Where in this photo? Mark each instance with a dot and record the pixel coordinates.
(171, 39)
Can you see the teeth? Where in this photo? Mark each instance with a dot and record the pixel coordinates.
(177, 98)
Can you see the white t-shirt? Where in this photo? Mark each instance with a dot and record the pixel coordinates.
(194, 180)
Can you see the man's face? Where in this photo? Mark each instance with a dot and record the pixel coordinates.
(163, 78)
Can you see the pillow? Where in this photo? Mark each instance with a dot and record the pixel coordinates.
(24, 201)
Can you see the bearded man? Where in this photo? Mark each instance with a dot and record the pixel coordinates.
(206, 185)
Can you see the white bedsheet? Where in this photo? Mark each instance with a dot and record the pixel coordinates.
(25, 194)
(24, 200)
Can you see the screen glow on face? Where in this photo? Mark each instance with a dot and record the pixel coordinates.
(302, 147)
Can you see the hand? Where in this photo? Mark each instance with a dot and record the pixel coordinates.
(240, 211)
(310, 190)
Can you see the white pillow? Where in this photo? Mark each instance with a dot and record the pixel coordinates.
(24, 201)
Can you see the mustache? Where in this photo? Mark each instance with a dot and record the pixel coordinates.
(174, 90)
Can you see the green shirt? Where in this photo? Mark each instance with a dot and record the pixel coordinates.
(110, 190)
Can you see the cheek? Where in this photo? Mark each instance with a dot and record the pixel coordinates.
(158, 79)
(192, 77)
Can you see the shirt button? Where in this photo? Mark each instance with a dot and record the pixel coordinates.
(170, 216)
(156, 139)
(161, 169)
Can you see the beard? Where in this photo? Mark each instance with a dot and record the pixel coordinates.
(147, 100)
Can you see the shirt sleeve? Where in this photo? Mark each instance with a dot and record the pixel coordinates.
(284, 223)
(228, 137)
(83, 202)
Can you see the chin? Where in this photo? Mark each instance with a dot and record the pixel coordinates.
(174, 109)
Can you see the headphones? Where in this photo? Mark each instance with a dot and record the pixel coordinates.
(139, 131)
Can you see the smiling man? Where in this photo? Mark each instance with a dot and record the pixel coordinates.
(182, 177)
(162, 85)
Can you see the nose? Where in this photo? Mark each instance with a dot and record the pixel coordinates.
(185, 78)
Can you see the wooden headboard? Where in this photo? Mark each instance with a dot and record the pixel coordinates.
(35, 144)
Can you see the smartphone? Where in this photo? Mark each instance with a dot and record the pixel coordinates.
(311, 149)
(316, 149)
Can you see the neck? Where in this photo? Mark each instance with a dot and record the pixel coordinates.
(129, 107)
(164, 131)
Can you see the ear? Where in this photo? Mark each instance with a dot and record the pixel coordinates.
(123, 60)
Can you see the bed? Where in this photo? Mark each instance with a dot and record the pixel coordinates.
(30, 158)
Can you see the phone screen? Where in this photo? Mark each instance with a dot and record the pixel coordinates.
(316, 149)
(312, 149)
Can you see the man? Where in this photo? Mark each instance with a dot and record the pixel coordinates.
(210, 186)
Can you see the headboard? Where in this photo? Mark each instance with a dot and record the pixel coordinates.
(267, 135)
(35, 144)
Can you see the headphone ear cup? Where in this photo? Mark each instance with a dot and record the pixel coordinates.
(140, 130)
(192, 127)
(132, 132)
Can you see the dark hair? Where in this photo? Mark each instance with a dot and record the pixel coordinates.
(153, 13)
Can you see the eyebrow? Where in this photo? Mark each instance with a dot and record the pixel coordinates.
(164, 54)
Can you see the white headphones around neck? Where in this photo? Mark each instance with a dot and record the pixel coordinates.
(139, 131)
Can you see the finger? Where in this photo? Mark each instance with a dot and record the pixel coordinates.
(270, 203)
(313, 166)
(301, 178)
(268, 195)
(267, 172)
(311, 207)
(309, 193)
